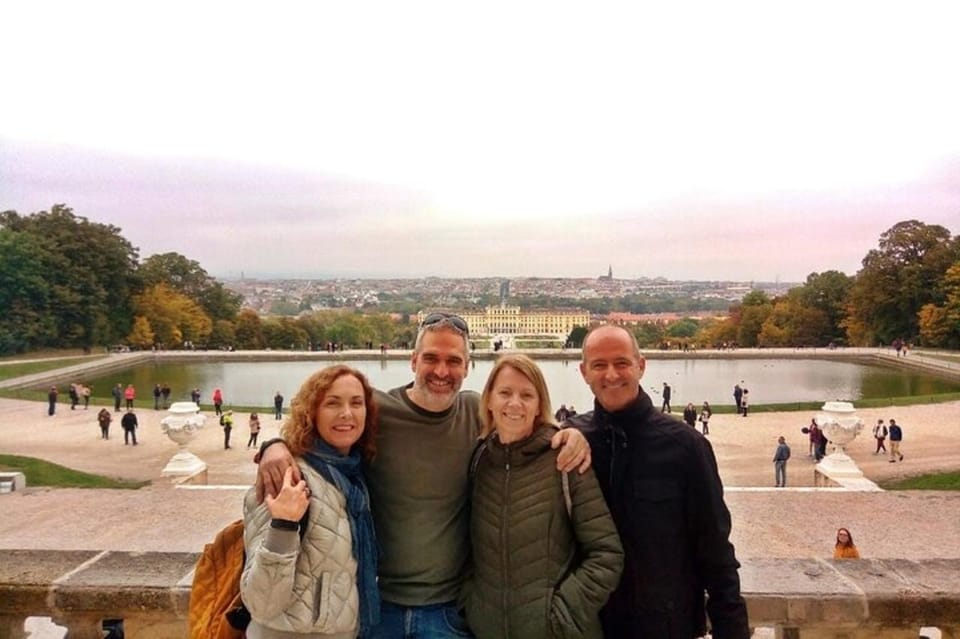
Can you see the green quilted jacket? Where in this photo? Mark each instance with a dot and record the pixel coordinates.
(538, 571)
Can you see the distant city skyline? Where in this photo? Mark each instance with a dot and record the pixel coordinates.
(736, 142)
(503, 281)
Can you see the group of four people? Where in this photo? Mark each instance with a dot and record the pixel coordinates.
(427, 511)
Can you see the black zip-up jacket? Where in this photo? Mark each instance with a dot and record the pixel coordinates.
(660, 480)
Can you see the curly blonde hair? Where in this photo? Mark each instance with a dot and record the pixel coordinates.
(529, 369)
(300, 428)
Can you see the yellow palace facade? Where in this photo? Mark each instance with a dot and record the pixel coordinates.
(512, 320)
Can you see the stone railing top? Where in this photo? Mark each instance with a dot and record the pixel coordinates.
(801, 592)
(46, 582)
(893, 592)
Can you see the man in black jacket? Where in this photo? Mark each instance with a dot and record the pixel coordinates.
(660, 480)
(129, 423)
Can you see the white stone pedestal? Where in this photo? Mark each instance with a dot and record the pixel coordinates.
(183, 464)
(839, 464)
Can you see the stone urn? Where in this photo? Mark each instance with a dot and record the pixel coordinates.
(181, 426)
(840, 426)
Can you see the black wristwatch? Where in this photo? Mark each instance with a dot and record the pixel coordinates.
(284, 524)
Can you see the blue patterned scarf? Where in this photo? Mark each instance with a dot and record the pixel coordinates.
(343, 471)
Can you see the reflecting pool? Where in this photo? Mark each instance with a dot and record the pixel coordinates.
(692, 380)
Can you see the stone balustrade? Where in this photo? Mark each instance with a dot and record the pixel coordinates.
(798, 598)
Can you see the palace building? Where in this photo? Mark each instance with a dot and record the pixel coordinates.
(512, 320)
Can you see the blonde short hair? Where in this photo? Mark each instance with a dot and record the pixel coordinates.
(529, 369)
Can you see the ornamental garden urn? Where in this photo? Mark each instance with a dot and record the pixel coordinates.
(181, 425)
(840, 425)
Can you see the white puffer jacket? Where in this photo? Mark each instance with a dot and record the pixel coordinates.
(306, 587)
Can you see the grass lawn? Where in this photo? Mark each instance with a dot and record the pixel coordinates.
(43, 473)
(48, 353)
(9, 371)
(937, 481)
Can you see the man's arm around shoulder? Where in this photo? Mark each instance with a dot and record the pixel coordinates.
(274, 459)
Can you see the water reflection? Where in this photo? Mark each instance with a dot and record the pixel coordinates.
(769, 381)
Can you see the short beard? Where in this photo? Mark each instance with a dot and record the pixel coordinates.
(433, 398)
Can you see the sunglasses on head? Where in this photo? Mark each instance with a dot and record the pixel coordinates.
(439, 318)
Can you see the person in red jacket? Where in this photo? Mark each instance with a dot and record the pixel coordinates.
(217, 401)
(130, 394)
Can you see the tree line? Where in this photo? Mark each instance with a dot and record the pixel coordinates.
(908, 289)
(67, 282)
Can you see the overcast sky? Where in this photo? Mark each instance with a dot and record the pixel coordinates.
(721, 140)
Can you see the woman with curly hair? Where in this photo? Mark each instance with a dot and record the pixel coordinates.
(845, 549)
(311, 566)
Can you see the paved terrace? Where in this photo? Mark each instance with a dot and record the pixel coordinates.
(83, 555)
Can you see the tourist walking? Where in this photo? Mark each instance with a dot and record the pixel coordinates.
(117, 393)
(130, 394)
(896, 436)
(254, 430)
(226, 421)
(104, 418)
(278, 406)
(665, 406)
(85, 394)
(820, 447)
(74, 396)
(845, 548)
(52, 401)
(690, 415)
(780, 457)
(880, 434)
(217, 401)
(811, 433)
(195, 396)
(129, 424)
(157, 392)
(744, 402)
(705, 414)
(165, 391)
(738, 397)
(562, 414)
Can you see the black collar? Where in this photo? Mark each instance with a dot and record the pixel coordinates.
(629, 415)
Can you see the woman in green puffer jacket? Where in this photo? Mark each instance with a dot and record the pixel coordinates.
(546, 556)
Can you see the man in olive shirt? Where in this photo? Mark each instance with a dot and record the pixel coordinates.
(419, 483)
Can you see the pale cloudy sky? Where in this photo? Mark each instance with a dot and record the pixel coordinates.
(714, 140)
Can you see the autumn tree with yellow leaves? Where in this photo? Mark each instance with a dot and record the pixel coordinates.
(172, 317)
